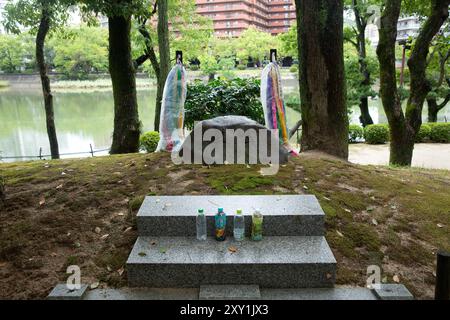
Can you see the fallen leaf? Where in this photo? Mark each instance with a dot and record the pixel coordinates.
(97, 230)
(54, 254)
(347, 210)
(103, 237)
(59, 187)
(153, 243)
(418, 191)
(120, 271)
(440, 225)
(94, 285)
(127, 229)
(121, 214)
(326, 198)
(42, 202)
(396, 279)
(162, 250)
(328, 276)
(108, 268)
(375, 222)
(77, 244)
(142, 254)
(2, 264)
(233, 249)
(339, 233)
(63, 173)
(305, 187)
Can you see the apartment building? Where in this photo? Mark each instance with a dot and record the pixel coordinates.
(407, 27)
(232, 17)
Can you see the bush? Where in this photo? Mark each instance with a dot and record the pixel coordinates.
(293, 101)
(149, 141)
(355, 133)
(424, 133)
(376, 134)
(293, 69)
(241, 66)
(440, 132)
(221, 98)
(194, 67)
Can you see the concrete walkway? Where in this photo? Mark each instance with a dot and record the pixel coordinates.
(426, 155)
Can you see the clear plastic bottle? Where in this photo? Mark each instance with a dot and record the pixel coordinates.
(239, 226)
(257, 225)
(221, 224)
(201, 225)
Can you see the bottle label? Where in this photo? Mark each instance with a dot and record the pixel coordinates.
(221, 221)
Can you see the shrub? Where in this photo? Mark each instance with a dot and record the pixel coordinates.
(440, 132)
(376, 134)
(424, 133)
(293, 68)
(293, 101)
(194, 67)
(149, 141)
(241, 66)
(355, 133)
(223, 97)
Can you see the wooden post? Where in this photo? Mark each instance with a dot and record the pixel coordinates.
(179, 56)
(442, 291)
(273, 55)
(92, 151)
(40, 153)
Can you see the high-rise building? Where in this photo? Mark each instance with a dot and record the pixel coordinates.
(2, 6)
(232, 17)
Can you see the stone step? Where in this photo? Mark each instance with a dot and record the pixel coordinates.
(287, 215)
(274, 262)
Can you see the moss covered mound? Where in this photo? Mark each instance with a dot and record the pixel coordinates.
(59, 213)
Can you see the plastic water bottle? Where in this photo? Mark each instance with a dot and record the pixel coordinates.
(239, 226)
(221, 223)
(257, 225)
(201, 225)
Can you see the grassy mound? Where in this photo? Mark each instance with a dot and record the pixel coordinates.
(65, 212)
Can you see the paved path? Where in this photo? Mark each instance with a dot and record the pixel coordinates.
(426, 155)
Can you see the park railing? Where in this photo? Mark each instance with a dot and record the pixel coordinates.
(42, 156)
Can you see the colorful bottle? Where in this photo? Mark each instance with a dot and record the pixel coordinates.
(201, 225)
(221, 223)
(239, 226)
(257, 225)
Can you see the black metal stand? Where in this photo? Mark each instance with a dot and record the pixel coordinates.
(442, 291)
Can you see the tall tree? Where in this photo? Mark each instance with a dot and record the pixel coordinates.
(164, 55)
(357, 36)
(438, 66)
(40, 16)
(122, 70)
(405, 126)
(322, 80)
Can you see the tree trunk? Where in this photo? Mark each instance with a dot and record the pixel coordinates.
(417, 63)
(365, 117)
(402, 139)
(361, 25)
(164, 56)
(322, 81)
(44, 27)
(121, 67)
(432, 109)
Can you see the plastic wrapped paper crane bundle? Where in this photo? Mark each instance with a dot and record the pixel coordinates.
(172, 110)
(273, 104)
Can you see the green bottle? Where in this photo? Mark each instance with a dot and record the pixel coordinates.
(257, 225)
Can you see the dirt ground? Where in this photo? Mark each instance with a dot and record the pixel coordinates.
(65, 212)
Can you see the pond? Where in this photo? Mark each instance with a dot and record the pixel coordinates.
(86, 117)
(81, 118)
